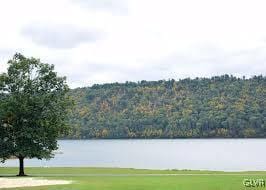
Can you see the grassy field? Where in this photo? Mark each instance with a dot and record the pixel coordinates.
(133, 179)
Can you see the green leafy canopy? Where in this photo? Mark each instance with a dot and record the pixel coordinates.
(33, 109)
(217, 107)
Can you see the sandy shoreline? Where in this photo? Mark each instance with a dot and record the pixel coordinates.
(29, 182)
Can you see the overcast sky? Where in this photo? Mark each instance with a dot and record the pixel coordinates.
(100, 41)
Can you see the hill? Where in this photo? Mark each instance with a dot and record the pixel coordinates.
(221, 106)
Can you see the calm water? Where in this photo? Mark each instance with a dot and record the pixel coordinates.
(198, 154)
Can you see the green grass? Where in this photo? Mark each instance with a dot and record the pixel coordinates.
(133, 179)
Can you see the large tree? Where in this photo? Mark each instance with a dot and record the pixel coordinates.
(33, 110)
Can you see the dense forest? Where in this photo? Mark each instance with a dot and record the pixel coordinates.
(221, 106)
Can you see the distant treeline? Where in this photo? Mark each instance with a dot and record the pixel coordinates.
(221, 106)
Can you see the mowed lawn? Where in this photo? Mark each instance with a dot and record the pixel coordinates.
(133, 179)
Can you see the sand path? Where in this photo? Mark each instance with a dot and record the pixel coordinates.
(29, 182)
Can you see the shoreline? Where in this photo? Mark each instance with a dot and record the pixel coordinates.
(109, 169)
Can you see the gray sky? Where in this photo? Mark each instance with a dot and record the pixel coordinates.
(103, 41)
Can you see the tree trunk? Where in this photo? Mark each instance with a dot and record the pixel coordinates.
(21, 166)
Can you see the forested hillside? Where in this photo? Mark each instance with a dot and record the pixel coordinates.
(223, 106)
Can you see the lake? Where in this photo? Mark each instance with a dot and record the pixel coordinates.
(193, 154)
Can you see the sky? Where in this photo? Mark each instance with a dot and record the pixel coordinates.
(103, 41)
